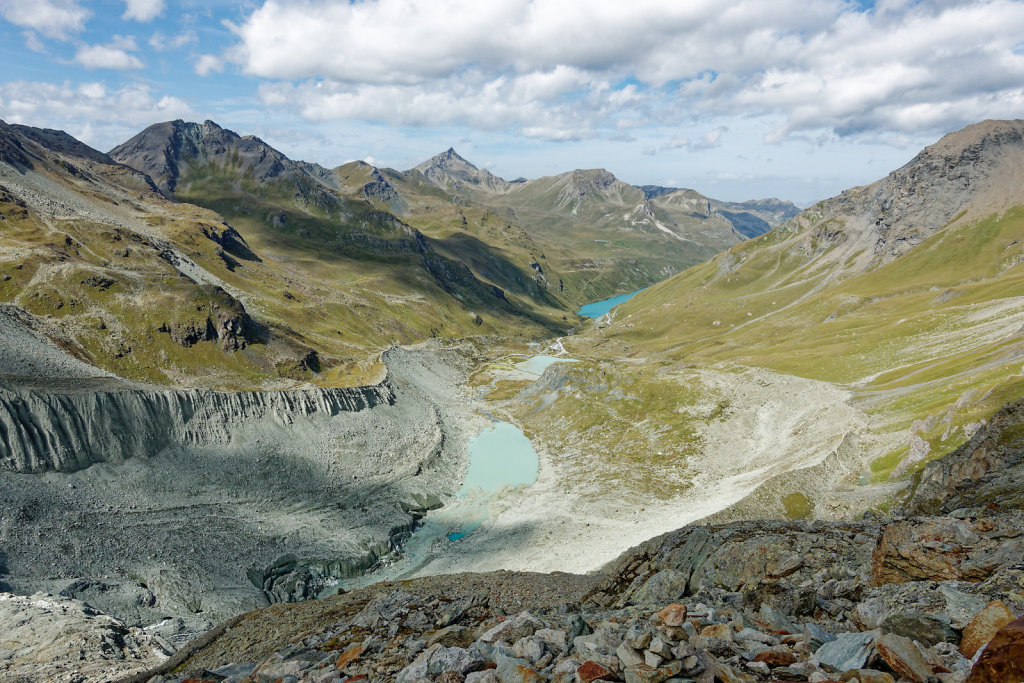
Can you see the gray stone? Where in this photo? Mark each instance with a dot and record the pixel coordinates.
(927, 629)
(648, 674)
(575, 626)
(513, 628)
(660, 647)
(847, 651)
(555, 638)
(817, 636)
(599, 643)
(665, 587)
(515, 670)
(775, 620)
(758, 636)
(628, 656)
(651, 659)
(453, 659)
(530, 648)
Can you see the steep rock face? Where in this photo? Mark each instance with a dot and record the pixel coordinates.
(162, 150)
(172, 151)
(964, 171)
(65, 432)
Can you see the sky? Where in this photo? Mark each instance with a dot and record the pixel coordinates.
(742, 99)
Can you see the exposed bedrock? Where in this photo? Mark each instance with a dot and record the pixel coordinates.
(42, 431)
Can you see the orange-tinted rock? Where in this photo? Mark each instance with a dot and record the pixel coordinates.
(774, 658)
(903, 657)
(723, 631)
(984, 626)
(1003, 659)
(867, 676)
(674, 615)
(350, 655)
(592, 671)
(940, 549)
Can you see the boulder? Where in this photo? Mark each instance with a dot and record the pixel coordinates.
(776, 657)
(903, 657)
(984, 626)
(450, 636)
(666, 586)
(673, 615)
(513, 628)
(592, 671)
(642, 673)
(946, 599)
(628, 656)
(515, 670)
(602, 642)
(847, 651)
(723, 631)
(1003, 658)
(927, 629)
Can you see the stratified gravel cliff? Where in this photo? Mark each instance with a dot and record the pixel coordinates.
(67, 431)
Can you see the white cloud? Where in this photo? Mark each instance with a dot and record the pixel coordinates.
(207, 64)
(709, 140)
(158, 41)
(143, 10)
(572, 68)
(114, 55)
(92, 112)
(32, 42)
(52, 18)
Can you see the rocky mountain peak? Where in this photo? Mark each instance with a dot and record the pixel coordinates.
(448, 160)
(450, 170)
(163, 150)
(969, 173)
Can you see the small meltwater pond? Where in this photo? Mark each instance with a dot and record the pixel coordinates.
(536, 365)
(499, 456)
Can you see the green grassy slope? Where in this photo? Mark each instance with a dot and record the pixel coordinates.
(930, 340)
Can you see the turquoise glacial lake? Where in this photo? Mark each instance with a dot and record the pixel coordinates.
(500, 456)
(599, 308)
(536, 365)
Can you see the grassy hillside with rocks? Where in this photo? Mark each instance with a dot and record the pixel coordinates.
(906, 293)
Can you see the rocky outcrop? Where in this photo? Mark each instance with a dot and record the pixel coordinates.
(71, 642)
(1003, 659)
(970, 170)
(43, 431)
(946, 548)
(986, 472)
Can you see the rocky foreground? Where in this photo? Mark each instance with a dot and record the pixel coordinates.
(931, 593)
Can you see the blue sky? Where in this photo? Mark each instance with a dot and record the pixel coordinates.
(741, 99)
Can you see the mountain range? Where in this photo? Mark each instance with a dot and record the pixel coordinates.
(230, 379)
(412, 255)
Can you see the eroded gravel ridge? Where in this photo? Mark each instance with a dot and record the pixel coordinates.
(177, 532)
